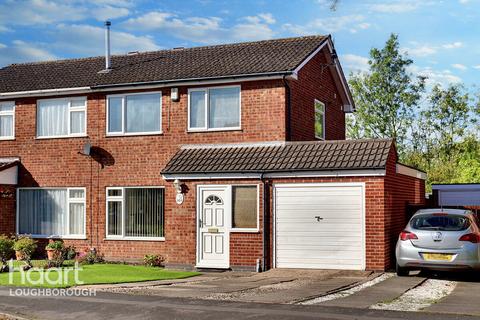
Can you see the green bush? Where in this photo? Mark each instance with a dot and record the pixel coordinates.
(153, 260)
(6, 248)
(27, 247)
(55, 245)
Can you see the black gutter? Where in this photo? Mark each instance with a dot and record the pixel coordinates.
(288, 101)
(265, 224)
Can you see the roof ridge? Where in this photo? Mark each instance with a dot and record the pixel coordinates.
(233, 44)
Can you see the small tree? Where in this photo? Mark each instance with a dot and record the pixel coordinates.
(386, 97)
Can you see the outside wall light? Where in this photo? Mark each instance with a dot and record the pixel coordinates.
(174, 95)
(178, 187)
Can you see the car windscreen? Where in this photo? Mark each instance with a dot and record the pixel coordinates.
(440, 222)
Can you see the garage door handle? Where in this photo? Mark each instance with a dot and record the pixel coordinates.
(318, 218)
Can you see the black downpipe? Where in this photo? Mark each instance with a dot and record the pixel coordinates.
(266, 223)
(288, 100)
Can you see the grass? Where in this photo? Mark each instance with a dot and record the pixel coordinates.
(90, 274)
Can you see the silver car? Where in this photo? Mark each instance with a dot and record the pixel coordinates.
(439, 239)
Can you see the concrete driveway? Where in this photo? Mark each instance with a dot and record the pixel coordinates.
(417, 292)
(274, 286)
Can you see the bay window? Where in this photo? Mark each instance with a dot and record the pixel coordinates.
(51, 212)
(7, 120)
(61, 117)
(139, 113)
(135, 213)
(215, 108)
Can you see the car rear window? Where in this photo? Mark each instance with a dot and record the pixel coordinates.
(440, 222)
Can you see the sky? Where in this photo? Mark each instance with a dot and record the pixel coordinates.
(442, 37)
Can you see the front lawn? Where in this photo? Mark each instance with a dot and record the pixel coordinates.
(90, 274)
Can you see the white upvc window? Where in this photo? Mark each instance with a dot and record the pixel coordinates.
(319, 120)
(214, 109)
(135, 213)
(7, 120)
(52, 212)
(64, 117)
(134, 114)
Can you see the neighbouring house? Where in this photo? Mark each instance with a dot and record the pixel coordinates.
(228, 156)
(464, 195)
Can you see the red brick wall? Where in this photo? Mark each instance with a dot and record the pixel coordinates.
(7, 209)
(400, 190)
(316, 82)
(137, 161)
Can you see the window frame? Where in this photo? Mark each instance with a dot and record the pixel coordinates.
(207, 101)
(70, 110)
(123, 133)
(316, 101)
(246, 230)
(67, 220)
(9, 113)
(122, 200)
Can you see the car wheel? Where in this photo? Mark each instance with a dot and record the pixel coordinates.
(402, 272)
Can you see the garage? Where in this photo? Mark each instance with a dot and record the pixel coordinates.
(320, 226)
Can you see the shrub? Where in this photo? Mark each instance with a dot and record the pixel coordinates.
(153, 260)
(27, 247)
(6, 249)
(90, 257)
(55, 246)
(69, 253)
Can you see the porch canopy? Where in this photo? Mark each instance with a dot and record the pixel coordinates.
(9, 171)
(280, 159)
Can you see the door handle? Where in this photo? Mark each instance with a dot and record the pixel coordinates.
(318, 218)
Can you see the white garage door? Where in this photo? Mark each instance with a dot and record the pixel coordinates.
(319, 226)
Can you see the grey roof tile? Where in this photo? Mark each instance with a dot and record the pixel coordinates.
(268, 56)
(291, 156)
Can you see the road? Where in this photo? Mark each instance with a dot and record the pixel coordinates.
(124, 306)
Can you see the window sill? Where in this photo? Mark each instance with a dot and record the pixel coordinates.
(214, 130)
(244, 230)
(114, 135)
(62, 137)
(7, 138)
(160, 239)
(41, 236)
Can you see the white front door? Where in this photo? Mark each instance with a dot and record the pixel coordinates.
(213, 221)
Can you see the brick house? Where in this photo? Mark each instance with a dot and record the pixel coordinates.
(229, 156)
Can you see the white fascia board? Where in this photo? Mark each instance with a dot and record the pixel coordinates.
(213, 176)
(411, 172)
(44, 93)
(278, 175)
(347, 107)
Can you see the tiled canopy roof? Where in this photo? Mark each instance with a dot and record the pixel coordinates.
(241, 59)
(6, 163)
(290, 156)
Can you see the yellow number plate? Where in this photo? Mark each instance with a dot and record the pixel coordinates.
(437, 256)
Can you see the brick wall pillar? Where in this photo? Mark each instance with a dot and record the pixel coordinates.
(7, 209)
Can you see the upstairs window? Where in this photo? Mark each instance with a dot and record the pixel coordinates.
(319, 120)
(214, 109)
(134, 114)
(7, 120)
(66, 117)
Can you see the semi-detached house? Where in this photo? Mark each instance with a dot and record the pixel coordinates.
(229, 156)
